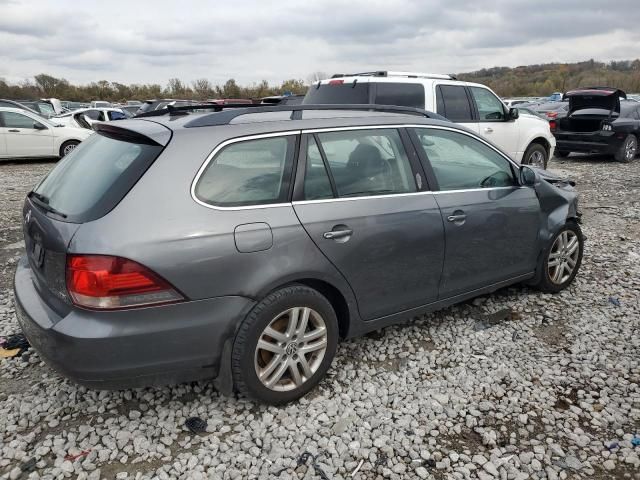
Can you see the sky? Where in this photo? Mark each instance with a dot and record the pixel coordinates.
(150, 41)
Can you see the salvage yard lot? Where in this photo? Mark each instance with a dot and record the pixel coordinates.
(514, 385)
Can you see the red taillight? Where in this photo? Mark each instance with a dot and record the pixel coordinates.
(552, 125)
(552, 114)
(336, 82)
(106, 282)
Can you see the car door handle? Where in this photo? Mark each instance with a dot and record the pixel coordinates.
(336, 234)
(488, 130)
(13, 130)
(457, 218)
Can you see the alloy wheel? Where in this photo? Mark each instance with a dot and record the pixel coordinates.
(536, 159)
(290, 349)
(630, 148)
(68, 149)
(563, 257)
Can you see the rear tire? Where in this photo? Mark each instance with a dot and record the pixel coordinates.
(561, 154)
(67, 147)
(285, 345)
(561, 260)
(536, 156)
(628, 150)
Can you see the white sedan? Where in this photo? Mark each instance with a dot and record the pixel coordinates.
(27, 135)
(85, 117)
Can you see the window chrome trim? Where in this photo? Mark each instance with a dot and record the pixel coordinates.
(363, 197)
(215, 151)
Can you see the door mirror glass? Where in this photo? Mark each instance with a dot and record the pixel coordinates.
(513, 113)
(39, 126)
(528, 176)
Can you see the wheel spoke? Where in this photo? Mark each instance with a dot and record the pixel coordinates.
(295, 374)
(312, 347)
(306, 369)
(269, 347)
(571, 262)
(554, 263)
(275, 362)
(282, 367)
(294, 313)
(557, 275)
(573, 248)
(314, 334)
(304, 320)
(276, 335)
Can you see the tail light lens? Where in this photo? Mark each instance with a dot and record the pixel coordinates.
(336, 82)
(552, 125)
(106, 282)
(552, 114)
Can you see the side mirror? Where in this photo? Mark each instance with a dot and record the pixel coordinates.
(513, 113)
(528, 176)
(39, 126)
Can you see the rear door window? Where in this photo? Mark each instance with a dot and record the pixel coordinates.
(91, 180)
(367, 162)
(452, 102)
(249, 172)
(337, 93)
(403, 94)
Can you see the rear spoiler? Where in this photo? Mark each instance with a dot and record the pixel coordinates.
(136, 131)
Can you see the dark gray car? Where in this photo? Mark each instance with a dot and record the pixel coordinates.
(243, 244)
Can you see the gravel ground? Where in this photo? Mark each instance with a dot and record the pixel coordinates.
(515, 385)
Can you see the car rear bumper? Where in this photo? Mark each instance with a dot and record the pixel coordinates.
(598, 142)
(129, 348)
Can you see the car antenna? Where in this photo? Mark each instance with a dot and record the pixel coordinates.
(353, 85)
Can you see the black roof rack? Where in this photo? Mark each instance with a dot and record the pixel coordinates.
(389, 73)
(227, 113)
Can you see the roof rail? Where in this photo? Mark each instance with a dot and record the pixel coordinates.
(384, 73)
(185, 109)
(231, 112)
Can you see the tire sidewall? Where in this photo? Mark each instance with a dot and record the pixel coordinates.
(243, 354)
(547, 283)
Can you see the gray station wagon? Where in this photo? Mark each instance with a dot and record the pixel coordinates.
(242, 244)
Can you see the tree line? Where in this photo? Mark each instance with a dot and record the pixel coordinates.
(541, 80)
(530, 80)
(47, 86)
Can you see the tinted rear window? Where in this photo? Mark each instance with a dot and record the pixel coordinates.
(402, 94)
(453, 103)
(91, 180)
(338, 94)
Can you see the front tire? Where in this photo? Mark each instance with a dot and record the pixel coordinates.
(67, 147)
(561, 260)
(285, 345)
(628, 150)
(536, 156)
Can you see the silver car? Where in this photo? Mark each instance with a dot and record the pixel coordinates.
(243, 244)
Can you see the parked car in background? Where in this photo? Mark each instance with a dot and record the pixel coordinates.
(42, 107)
(554, 97)
(130, 110)
(280, 233)
(529, 111)
(13, 104)
(599, 120)
(133, 103)
(100, 104)
(528, 140)
(551, 110)
(86, 117)
(158, 104)
(27, 135)
(513, 102)
(283, 100)
(71, 106)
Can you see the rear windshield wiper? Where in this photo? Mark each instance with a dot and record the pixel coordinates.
(43, 202)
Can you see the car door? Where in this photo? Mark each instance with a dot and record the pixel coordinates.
(3, 141)
(361, 199)
(492, 120)
(454, 102)
(25, 136)
(491, 222)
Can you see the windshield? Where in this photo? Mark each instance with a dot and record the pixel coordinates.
(90, 181)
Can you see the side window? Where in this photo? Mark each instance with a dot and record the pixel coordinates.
(17, 120)
(461, 162)
(453, 103)
(93, 114)
(250, 172)
(403, 94)
(117, 116)
(367, 162)
(316, 180)
(490, 108)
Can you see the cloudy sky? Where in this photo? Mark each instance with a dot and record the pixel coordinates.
(140, 41)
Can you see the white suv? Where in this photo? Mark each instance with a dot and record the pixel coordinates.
(527, 139)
